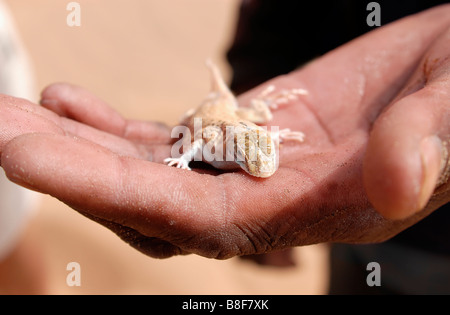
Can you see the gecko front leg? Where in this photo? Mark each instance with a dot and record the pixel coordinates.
(184, 160)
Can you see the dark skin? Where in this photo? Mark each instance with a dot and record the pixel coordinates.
(377, 125)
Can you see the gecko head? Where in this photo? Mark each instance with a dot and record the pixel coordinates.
(256, 153)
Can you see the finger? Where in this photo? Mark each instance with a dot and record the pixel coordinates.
(79, 104)
(408, 147)
(76, 103)
(19, 116)
(122, 146)
(151, 198)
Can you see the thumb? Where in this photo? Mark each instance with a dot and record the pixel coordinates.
(407, 153)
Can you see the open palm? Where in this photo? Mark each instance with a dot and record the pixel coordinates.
(377, 128)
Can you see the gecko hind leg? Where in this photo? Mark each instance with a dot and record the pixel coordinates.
(260, 110)
(274, 99)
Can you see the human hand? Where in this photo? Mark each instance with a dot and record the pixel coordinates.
(374, 105)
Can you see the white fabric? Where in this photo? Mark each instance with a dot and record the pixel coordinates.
(16, 79)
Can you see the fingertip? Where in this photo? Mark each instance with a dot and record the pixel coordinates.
(53, 95)
(11, 160)
(54, 90)
(401, 170)
(391, 182)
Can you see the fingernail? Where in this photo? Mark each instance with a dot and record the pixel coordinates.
(431, 149)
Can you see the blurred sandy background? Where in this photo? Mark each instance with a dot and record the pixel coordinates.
(146, 58)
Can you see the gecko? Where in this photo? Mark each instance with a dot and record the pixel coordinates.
(234, 132)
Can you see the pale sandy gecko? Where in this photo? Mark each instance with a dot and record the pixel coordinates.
(219, 122)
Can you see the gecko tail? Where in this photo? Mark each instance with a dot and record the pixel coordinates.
(218, 84)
